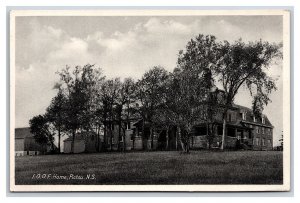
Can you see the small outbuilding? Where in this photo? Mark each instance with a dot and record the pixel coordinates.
(25, 143)
(83, 142)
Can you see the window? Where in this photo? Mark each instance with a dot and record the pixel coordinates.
(263, 142)
(254, 119)
(257, 129)
(231, 132)
(220, 130)
(244, 115)
(263, 120)
(201, 130)
(229, 117)
(269, 143)
(262, 130)
(257, 141)
(129, 125)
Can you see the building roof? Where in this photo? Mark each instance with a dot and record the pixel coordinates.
(81, 136)
(21, 133)
(249, 116)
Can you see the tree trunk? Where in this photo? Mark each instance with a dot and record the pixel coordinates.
(111, 136)
(187, 142)
(73, 141)
(120, 136)
(210, 135)
(98, 138)
(151, 136)
(176, 139)
(167, 138)
(223, 134)
(180, 139)
(124, 137)
(105, 135)
(59, 139)
(143, 132)
(188, 145)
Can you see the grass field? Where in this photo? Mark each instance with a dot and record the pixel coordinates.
(199, 167)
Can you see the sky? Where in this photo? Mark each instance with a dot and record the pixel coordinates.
(125, 47)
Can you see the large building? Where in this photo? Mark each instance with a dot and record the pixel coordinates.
(243, 131)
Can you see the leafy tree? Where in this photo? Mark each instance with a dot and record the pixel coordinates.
(192, 100)
(124, 103)
(109, 93)
(78, 87)
(99, 108)
(55, 113)
(233, 65)
(245, 64)
(148, 95)
(40, 128)
(185, 103)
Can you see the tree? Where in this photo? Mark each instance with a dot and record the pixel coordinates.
(185, 103)
(99, 108)
(240, 64)
(40, 128)
(109, 93)
(124, 103)
(281, 141)
(191, 99)
(55, 113)
(149, 96)
(78, 87)
(233, 65)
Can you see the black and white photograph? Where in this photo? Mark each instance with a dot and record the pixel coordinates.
(149, 100)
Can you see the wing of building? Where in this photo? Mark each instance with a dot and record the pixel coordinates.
(243, 131)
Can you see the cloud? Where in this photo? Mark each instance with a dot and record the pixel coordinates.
(128, 53)
(131, 53)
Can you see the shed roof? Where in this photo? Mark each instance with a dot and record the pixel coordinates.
(21, 133)
(81, 136)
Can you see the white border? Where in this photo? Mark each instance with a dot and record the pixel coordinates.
(286, 101)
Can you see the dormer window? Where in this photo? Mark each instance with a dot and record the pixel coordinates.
(263, 120)
(229, 117)
(244, 115)
(254, 119)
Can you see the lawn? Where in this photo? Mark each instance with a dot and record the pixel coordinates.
(198, 167)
